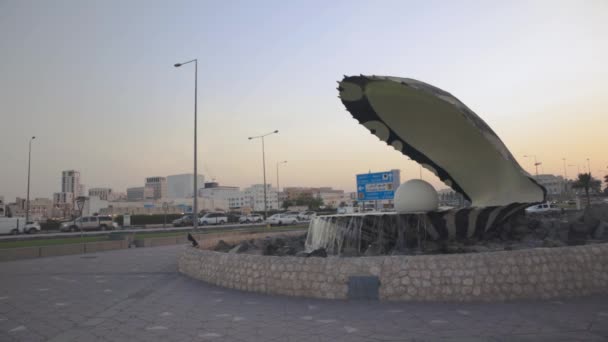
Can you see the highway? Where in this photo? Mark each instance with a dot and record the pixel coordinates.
(45, 235)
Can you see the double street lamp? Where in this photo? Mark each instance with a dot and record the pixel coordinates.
(27, 201)
(195, 192)
(264, 167)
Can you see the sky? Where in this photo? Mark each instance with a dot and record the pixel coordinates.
(94, 82)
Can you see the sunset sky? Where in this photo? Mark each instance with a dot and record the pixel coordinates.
(94, 82)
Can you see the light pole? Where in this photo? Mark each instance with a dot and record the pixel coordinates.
(27, 201)
(589, 166)
(80, 201)
(264, 167)
(565, 176)
(195, 193)
(278, 185)
(536, 163)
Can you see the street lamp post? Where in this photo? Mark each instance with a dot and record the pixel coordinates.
(80, 201)
(27, 201)
(264, 167)
(195, 193)
(278, 184)
(536, 163)
(589, 166)
(565, 176)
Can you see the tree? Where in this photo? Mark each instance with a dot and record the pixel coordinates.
(287, 204)
(586, 182)
(313, 203)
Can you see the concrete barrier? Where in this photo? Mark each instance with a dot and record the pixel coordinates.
(57, 250)
(539, 273)
(19, 253)
(100, 246)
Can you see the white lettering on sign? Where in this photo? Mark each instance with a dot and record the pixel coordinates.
(375, 187)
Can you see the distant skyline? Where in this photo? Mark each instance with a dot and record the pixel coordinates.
(94, 82)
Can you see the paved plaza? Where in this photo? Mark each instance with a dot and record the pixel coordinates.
(138, 295)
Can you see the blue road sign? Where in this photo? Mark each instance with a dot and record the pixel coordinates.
(377, 186)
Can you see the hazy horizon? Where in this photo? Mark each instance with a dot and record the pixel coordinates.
(95, 83)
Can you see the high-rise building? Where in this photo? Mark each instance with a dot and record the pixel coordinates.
(63, 198)
(140, 193)
(104, 194)
(182, 186)
(70, 182)
(158, 185)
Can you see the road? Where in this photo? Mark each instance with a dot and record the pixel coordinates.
(130, 230)
(138, 295)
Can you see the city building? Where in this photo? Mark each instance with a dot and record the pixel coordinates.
(254, 195)
(182, 186)
(174, 206)
(70, 182)
(555, 185)
(140, 193)
(93, 205)
(63, 198)
(63, 204)
(104, 194)
(451, 198)
(331, 197)
(158, 185)
(214, 190)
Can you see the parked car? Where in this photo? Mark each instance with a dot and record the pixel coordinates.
(543, 208)
(280, 219)
(255, 218)
(213, 218)
(9, 224)
(89, 223)
(32, 228)
(306, 215)
(183, 221)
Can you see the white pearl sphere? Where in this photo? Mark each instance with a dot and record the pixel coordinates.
(415, 196)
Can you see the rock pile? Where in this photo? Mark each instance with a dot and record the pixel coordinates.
(276, 245)
(520, 232)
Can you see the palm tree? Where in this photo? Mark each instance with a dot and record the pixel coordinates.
(586, 182)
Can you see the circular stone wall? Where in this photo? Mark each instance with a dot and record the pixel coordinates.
(533, 273)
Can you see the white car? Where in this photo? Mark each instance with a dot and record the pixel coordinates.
(306, 215)
(280, 219)
(255, 218)
(32, 228)
(213, 218)
(543, 208)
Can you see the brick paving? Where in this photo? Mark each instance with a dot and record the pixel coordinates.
(138, 295)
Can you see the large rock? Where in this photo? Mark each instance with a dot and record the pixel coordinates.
(222, 246)
(240, 248)
(594, 214)
(320, 252)
(601, 230)
(374, 249)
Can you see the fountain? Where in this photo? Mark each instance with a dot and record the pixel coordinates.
(438, 131)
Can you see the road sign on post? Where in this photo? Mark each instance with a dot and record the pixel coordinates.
(377, 186)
